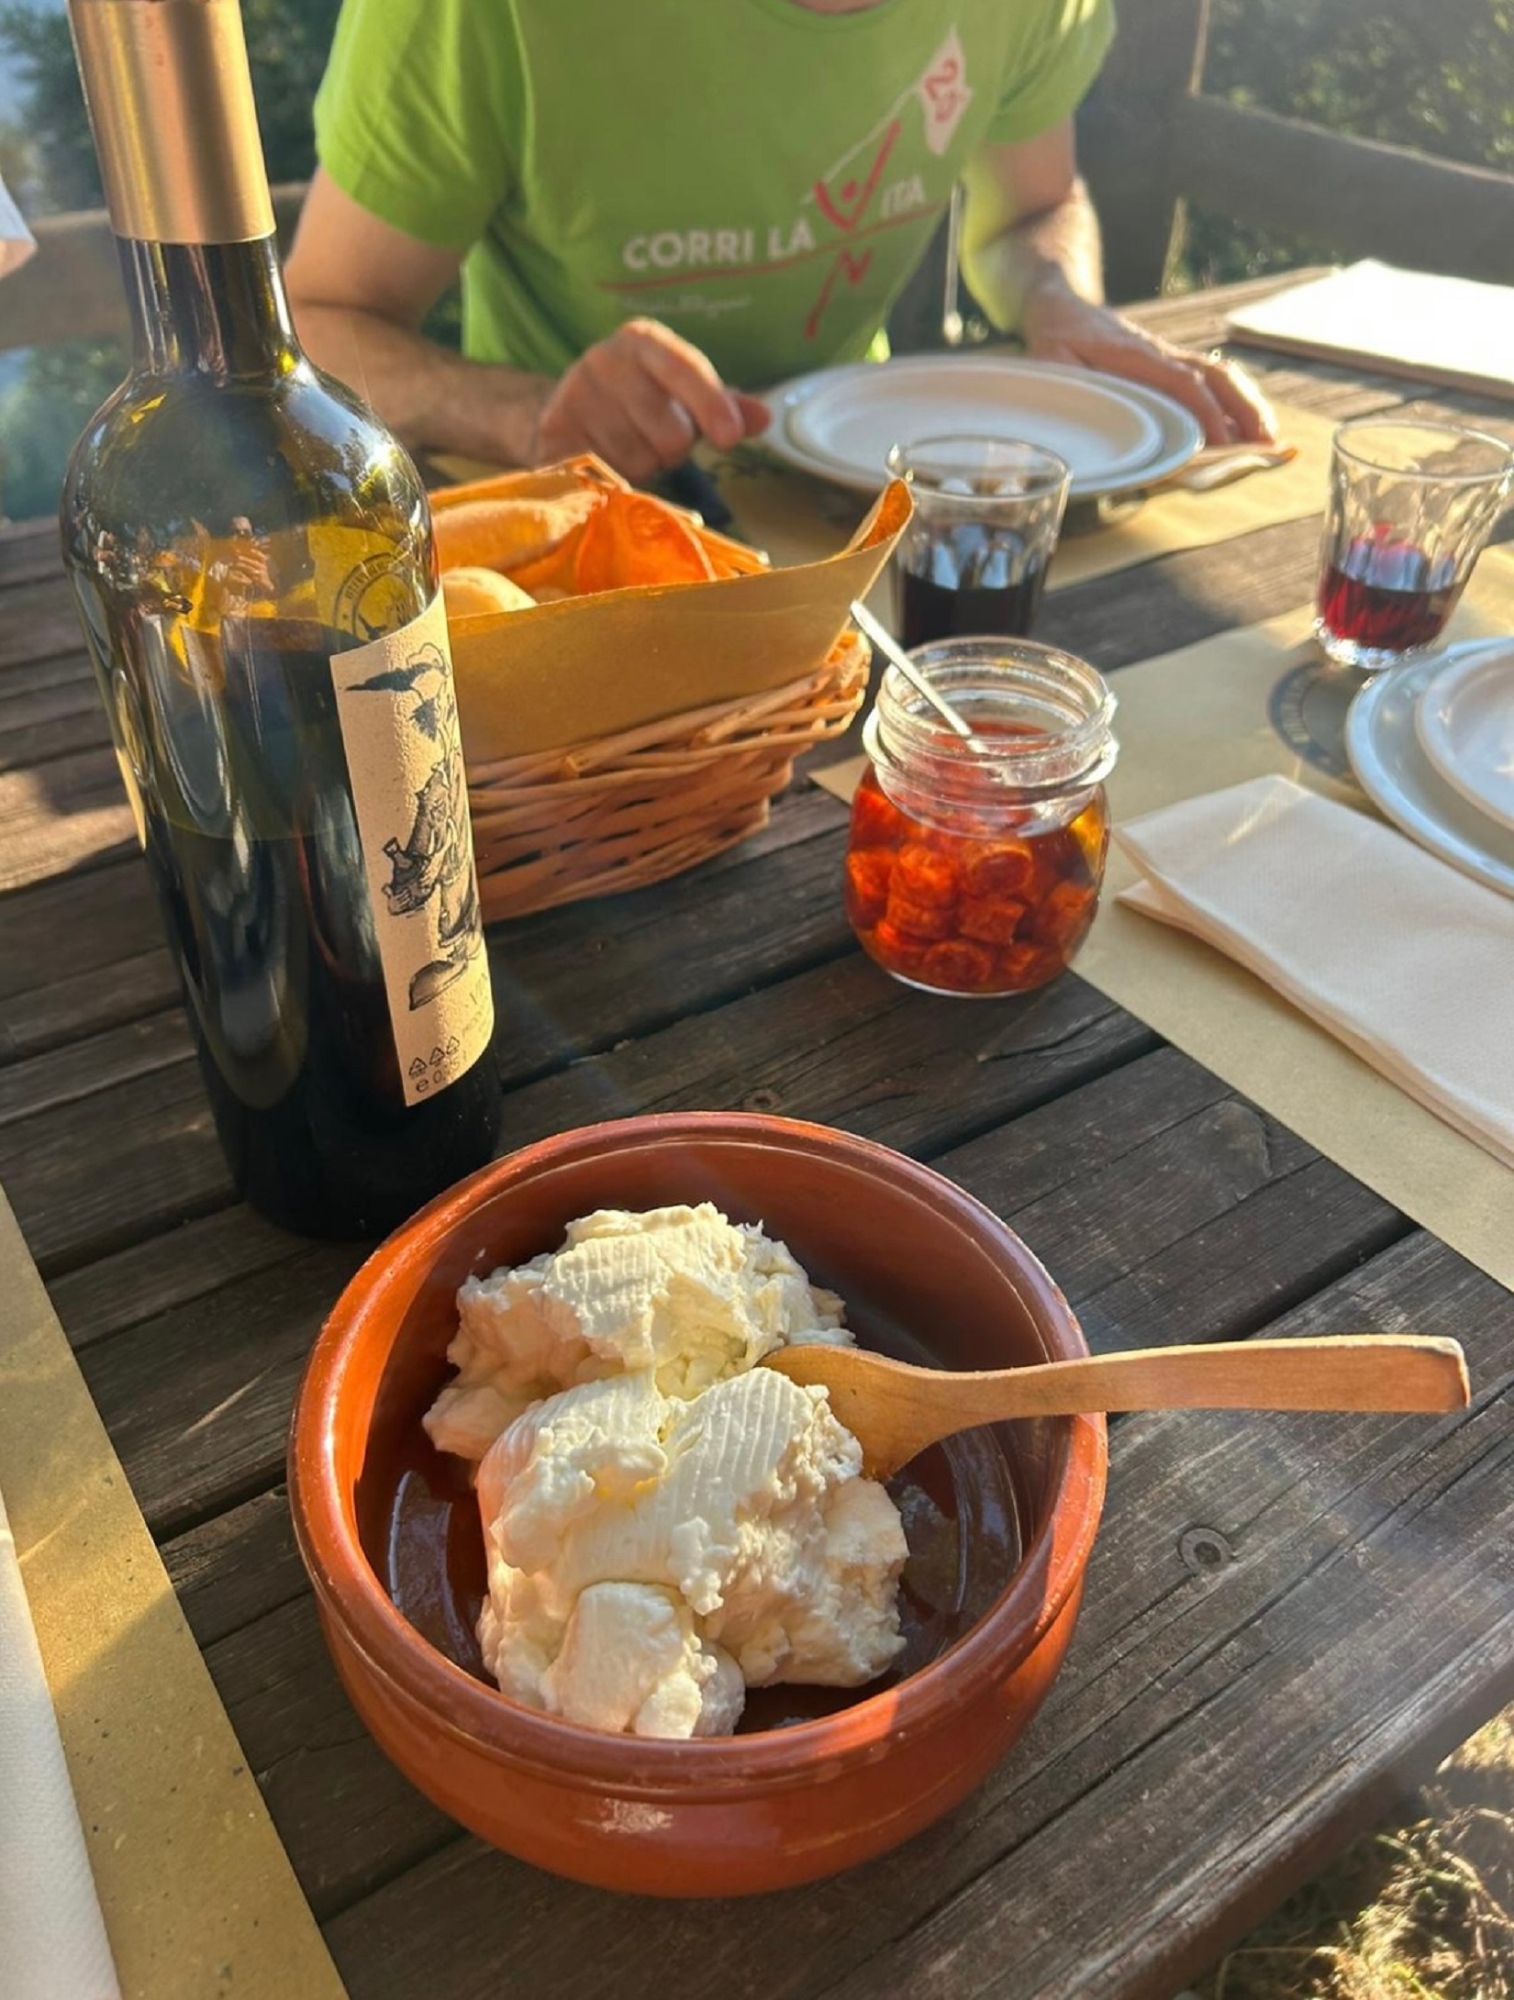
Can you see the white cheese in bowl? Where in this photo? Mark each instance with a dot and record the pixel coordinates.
(666, 1523)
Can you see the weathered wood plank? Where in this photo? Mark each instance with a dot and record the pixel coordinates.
(840, 1044)
(574, 980)
(70, 671)
(40, 621)
(78, 954)
(29, 551)
(1361, 197)
(69, 1009)
(74, 726)
(1250, 1246)
(239, 1566)
(89, 1178)
(68, 1076)
(197, 1401)
(1133, 615)
(183, 1263)
(315, 1762)
(64, 816)
(1359, 1595)
(77, 924)
(847, 1046)
(1203, 1213)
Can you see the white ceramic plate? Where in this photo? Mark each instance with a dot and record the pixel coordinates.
(1092, 420)
(851, 416)
(1395, 773)
(1465, 724)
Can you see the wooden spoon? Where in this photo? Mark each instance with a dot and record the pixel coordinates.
(895, 1411)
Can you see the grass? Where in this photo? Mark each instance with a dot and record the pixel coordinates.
(1420, 1910)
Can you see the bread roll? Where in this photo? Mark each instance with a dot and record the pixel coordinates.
(504, 533)
(468, 591)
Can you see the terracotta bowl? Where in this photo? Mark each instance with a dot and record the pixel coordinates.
(1001, 1522)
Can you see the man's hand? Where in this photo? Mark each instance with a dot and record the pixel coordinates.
(1030, 252)
(640, 399)
(360, 291)
(1059, 326)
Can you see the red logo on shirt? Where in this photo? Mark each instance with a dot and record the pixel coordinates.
(855, 268)
(944, 94)
(848, 204)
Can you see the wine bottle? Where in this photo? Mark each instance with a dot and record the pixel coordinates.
(252, 558)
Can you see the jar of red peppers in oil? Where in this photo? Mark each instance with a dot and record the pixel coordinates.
(974, 868)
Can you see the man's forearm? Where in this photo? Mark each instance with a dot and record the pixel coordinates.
(1057, 249)
(428, 396)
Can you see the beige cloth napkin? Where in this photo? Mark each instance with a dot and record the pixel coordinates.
(1416, 323)
(52, 1936)
(1404, 960)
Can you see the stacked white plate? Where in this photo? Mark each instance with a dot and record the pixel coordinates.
(1432, 745)
(1116, 436)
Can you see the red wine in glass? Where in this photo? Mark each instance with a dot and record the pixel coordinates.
(1387, 595)
(971, 579)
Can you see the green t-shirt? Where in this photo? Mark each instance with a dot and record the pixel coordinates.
(760, 177)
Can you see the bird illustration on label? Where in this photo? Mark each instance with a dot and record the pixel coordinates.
(432, 869)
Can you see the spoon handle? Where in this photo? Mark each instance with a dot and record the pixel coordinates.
(896, 1410)
(1331, 1372)
(892, 651)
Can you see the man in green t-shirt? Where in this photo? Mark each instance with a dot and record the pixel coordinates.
(660, 206)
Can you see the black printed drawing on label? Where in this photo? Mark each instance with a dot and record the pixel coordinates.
(431, 870)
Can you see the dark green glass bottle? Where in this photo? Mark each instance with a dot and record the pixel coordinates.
(251, 553)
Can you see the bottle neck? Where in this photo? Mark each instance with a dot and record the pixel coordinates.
(214, 309)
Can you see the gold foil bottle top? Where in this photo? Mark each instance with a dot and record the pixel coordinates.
(170, 103)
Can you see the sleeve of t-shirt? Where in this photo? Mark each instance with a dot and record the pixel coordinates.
(1057, 63)
(415, 114)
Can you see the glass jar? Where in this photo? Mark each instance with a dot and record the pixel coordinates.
(976, 870)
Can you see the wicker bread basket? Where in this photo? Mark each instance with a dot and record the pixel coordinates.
(618, 812)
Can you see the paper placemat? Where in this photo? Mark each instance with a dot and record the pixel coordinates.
(796, 518)
(1451, 331)
(1230, 708)
(197, 1892)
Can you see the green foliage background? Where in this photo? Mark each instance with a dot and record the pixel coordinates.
(52, 159)
(1436, 74)
(287, 42)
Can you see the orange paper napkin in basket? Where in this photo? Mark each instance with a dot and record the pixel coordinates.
(614, 658)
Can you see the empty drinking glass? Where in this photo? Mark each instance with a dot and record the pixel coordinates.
(1411, 508)
(974, 556)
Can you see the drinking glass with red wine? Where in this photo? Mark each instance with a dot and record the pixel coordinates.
(974, 556)
(1411, 508)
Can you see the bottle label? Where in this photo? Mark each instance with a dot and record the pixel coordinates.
(405, 762)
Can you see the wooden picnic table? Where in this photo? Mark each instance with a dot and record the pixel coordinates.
(1285, 1617)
